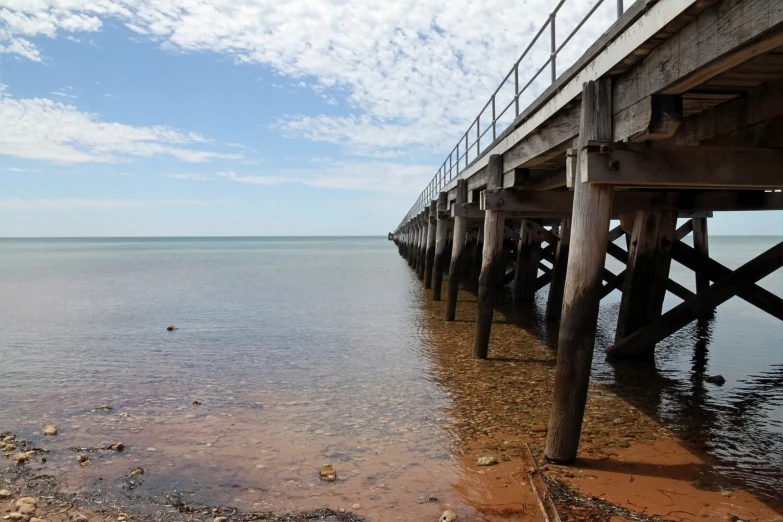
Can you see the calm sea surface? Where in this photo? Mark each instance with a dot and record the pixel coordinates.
(312, 350)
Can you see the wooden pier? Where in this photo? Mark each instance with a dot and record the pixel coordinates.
(676, 112)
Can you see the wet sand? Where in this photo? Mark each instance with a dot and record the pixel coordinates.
(260, 452)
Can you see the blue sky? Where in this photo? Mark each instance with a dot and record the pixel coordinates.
(185, 117)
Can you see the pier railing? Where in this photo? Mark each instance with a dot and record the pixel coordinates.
(470, 142)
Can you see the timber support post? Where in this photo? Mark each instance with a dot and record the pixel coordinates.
(457, 253)
(422, 243)
(701, 244)
(478, 247)
(494, 230)
(429, 258)
(592, 209)
(441, 242)
(554, 304)
(649, 260)
(528, 257)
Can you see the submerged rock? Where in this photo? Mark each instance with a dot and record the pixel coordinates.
(50, 430)
(328, 473)
(117, 447)
(171, 328)
(81, 458)
(21, 458)
(486, 460)
(716, 379)
(448, 516)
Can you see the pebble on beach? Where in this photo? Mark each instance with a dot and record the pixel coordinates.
(81, 458)
(117, 447)
(220, 519)
(50, 430)
(21, 458)
(486, 461)
(4, 494)
(448, 516)
(328, 473)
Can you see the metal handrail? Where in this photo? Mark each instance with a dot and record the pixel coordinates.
(450, 168)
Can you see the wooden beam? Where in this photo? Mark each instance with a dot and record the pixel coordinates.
(590, 230)
(671, 286)
(457, 254)
(759, 105)
(534, 203)
(545, 181)
(491, 266)
(549, 140)
(467, 210)
(679, 316)
(670, 166)
(441, 242)
(691, 258)
(655, 117)
(539, 232)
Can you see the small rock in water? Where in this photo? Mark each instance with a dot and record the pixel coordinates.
(486, 461)
(104, 408)
(21, 458)
(81, 458)
(328, 473)
(716, 379)
(196, 403)
(9, 438)
(135, 472)
(448, 516)
(50, 430)
(9, 447)
(117, 447)
(171, 328)
(4, 494)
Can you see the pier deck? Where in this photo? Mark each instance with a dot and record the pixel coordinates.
(676, 111)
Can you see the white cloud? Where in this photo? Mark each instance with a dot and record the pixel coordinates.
(50, 130)
(94, 204)
(192, 177)
(414, 72)
(347, 175)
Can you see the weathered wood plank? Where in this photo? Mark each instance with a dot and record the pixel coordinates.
(671, 166)
(655, 117)
(536, 203)
(548, 181)
(589, 237)
(720, 292)
(491, 266)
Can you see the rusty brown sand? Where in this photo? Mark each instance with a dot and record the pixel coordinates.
(255, 460)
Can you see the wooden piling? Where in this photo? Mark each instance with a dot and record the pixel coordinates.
(477, 252)
(701, 244)
(429, 256)
(494, 229)
(528, 257)
(554, 304)
(422, 246)
(457, 253)
(441, 242)
(644, 287)
(592, 210)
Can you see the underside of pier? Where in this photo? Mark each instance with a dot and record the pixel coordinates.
(675, 113)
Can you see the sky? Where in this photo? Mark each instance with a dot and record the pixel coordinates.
(254, 117)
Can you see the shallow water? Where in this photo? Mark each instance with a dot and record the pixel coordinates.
(308, 351)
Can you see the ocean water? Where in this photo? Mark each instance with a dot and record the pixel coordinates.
(303, 351)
